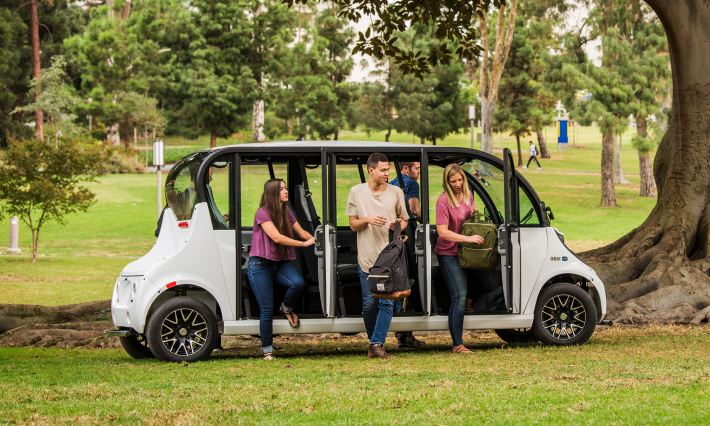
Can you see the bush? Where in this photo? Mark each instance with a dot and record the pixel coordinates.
(120, 161)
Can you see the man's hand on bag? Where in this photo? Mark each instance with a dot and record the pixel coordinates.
(376, 220)
(476, 239)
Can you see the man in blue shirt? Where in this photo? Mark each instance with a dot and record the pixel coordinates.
(410, 175)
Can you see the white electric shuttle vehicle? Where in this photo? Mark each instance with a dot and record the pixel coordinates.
(192, 287)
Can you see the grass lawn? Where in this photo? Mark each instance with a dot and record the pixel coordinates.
(656, 375)
(83, 258)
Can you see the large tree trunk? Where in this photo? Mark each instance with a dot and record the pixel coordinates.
(520, 153)
(659, 271)
(213, 139)
(544, 153)
(648, 185)
(389, 131)
(257, 129)
(490, 76)
(608, 194)
(36, 68)
(619, 178)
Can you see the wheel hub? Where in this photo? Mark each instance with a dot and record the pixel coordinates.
(563, 316)
(184, 332)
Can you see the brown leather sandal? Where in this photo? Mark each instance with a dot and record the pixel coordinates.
(461, 349)
(291, 317)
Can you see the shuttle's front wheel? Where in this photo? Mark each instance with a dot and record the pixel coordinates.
(182, 329)
(564, 315)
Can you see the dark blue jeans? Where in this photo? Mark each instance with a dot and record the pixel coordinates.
(376, 312)
(455, 278)
(263, 274)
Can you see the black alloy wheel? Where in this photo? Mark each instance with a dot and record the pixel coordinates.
(565, 315)
(516, 335)
(183, 329)
(136, 346)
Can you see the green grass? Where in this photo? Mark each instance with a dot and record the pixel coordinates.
(92, 247)
(650, 376)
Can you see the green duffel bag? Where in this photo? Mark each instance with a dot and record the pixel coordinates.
(479, 256)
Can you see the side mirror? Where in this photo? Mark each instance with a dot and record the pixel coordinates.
(549, 213)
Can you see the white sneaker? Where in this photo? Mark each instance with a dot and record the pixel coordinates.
(539, 168)
(525, 167)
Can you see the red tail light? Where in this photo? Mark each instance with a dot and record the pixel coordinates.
(171, 285)
(183, 224)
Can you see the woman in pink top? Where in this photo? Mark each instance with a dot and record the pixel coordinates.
(270, 259)
(452, 209)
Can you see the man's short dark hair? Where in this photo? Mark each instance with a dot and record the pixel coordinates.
(375, 158)
(407, 164)
(530, 141)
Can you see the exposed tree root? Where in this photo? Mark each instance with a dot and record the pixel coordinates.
(69, 335)
(13, 316)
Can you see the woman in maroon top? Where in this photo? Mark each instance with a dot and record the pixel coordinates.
(452, 209)
(270, 259)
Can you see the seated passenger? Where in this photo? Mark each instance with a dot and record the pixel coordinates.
(453, 207)
(270, 259)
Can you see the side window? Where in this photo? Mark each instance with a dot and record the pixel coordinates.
(217, 190)
(254, 176)
(528, 213)
(180, 194)
(489, 177)
(346, 176)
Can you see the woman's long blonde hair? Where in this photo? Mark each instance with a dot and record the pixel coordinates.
(451, 170)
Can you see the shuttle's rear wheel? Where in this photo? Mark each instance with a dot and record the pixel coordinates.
(516, 335)
(565, 315)
(136, 346)
(183, 329)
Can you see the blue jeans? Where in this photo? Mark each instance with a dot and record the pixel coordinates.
(263, 274)
(376, 312)
(456, 282)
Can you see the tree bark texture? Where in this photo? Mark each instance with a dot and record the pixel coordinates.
(213, 139)
(608, 195)
(544, 153)
(36, 68)
(491, 74)
(520, 154)
(648, 185)
(619, 178)
(660, 271)
(257, 129)
(126, 131)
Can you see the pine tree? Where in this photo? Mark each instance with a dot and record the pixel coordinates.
(208, 69)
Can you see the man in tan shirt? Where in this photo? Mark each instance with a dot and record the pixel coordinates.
(373, 208)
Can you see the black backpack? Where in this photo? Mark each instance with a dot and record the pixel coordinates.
(388, 276)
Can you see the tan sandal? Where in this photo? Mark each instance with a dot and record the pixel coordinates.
(268, 357)
(461, 349)
(291, 317)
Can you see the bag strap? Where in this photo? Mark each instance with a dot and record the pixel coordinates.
(397, 230)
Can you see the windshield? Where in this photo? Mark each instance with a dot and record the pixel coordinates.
(180, 193)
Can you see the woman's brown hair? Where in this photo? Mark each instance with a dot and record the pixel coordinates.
(271, 200)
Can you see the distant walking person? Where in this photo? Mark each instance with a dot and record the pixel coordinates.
(533, 156)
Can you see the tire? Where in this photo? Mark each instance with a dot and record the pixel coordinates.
(516, 335)
(564, 315)
(182, 329)
(136, 346)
